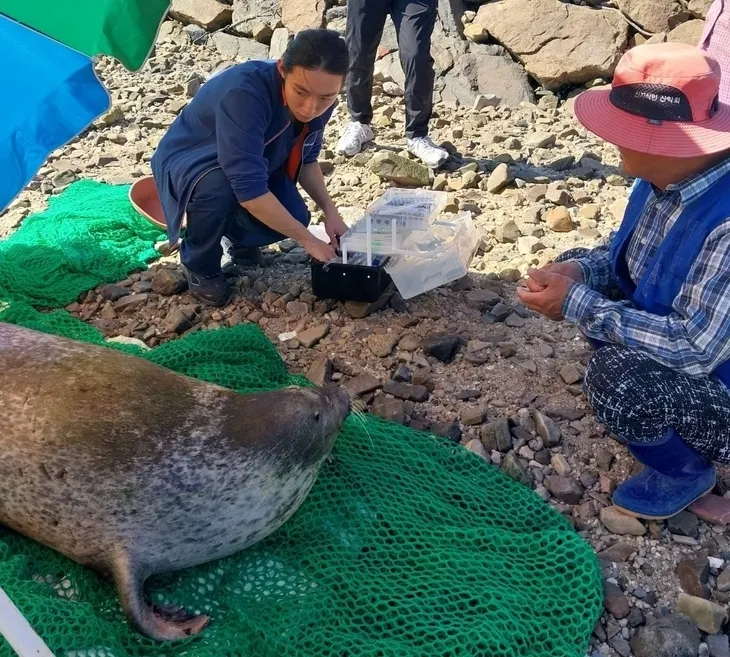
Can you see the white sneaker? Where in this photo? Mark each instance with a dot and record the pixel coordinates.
(355, 136)
(425, 150)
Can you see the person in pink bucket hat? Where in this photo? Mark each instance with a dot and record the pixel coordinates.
(654, 301)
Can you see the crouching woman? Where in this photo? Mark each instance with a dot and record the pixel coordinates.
(230, 163)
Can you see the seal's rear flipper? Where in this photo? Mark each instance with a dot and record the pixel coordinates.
(161, 623)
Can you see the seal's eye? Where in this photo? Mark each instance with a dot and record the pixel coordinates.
(316, 416)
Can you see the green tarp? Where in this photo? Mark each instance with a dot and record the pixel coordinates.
(124, 29)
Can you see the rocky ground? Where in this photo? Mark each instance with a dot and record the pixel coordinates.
(466, 361)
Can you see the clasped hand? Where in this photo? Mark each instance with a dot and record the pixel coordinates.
(547, 288)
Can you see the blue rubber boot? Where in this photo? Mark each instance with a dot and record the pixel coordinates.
(675, 475)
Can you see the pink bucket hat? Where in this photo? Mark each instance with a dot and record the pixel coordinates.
(663, 101)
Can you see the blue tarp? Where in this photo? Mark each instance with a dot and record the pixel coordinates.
(50, 94)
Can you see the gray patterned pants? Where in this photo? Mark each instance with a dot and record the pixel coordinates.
(640, 399)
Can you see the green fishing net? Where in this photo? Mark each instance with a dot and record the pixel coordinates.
(408, 545)
(89, 235)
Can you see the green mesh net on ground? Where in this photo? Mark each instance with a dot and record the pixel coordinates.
(408, 545)
(89, 235)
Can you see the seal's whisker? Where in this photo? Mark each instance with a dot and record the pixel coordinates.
(360, 416)
(357, 404)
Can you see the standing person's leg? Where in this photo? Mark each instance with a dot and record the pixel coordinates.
(365, 23)
(414, 21)
(672, 423)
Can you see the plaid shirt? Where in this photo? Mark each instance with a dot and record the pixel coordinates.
(715, 39)
(693, 339)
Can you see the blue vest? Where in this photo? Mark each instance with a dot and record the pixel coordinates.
(668, 269)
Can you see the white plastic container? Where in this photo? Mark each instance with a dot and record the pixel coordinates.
(411, 209)
(386, 224)
(435, 257)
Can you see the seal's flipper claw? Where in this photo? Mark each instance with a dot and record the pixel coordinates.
(161, 623)
(173, 613)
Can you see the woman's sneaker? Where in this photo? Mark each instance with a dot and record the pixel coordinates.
(425, 150)
(211, 290)
(355, 136)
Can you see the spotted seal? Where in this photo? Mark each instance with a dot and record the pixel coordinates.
(132, 469)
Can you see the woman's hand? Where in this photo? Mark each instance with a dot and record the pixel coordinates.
(318, 249)
(335, 226)
(312, 182)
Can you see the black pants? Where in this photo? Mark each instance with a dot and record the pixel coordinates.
(414, 21)
(639, 399)
(213, 213)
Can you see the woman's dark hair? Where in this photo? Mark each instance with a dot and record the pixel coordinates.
(318, 50)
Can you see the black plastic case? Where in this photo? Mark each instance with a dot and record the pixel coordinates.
(349, 282)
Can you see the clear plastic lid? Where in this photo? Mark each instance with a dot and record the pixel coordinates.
(435, 257)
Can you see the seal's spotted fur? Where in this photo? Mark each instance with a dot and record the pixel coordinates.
(133, 469)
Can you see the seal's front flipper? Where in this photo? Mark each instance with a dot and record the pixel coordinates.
(176, 620)
(161, 623)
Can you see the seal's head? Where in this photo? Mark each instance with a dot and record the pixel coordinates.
(338, 405)
(315, 415)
